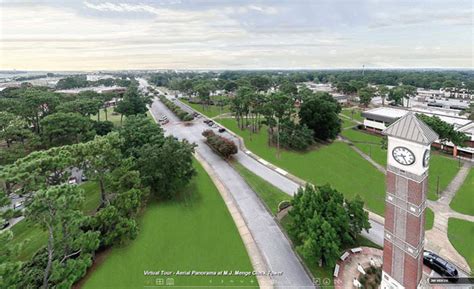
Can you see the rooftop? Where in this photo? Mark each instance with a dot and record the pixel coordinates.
(410, 128)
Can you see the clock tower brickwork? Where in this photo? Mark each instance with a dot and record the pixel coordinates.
(409, 141)
(404, 227)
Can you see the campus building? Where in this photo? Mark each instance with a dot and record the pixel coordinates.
(378, 119)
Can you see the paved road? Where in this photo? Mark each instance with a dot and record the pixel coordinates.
(270, 240)
(375, 234)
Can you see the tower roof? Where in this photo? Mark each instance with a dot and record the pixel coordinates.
(410, 128)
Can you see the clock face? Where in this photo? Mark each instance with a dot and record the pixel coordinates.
(426, 158)
(403, 156)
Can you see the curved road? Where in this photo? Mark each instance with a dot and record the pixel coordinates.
(272, 243)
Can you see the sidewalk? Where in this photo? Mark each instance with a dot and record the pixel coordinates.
(438, 236)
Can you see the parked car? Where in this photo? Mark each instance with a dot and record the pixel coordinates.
(18, 206)
(221, 130)
(206, 121)
(210, 123)
(83, 178)
(72, 181)
(440, 266)
(4, 224)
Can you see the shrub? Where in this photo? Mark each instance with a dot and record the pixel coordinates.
(180, 113)
(221, 145)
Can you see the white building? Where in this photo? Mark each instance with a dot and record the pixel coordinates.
(378, 119)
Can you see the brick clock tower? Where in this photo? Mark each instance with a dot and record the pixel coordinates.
(409, 141)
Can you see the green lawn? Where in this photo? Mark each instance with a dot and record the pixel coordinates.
(36, 238)
(356, 116)
(114, 118)
(429, 219)
(195, 233)
(336, 164)
(440, 166)
(460, 235)
(271, 196)
(209, 111)
(463, 201)
(347, 123)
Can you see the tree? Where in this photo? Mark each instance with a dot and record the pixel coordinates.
(9, 268)
(230, 86)
(203, 90)
(260, 83)
(98, 158)
(166, 167)
(320, 242)
(323, 221)
(32, 104)
(132, 103)
(398, 93)
(57, 211)
(446, 131)
(289, 88)
(83, 106)
(138, 131)
(40, 169)
(13, 128)
(103, 127)
(319, 112)
(382, 92)
(66, 128)
(365, 95)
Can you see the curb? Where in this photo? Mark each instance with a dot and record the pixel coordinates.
(253, 251)
(373, 216)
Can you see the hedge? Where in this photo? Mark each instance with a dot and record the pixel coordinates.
(178, 111)
(221, 145)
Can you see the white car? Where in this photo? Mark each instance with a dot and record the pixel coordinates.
(72, 181)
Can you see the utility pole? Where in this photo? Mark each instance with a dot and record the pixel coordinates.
(278, 138)
(437, 186)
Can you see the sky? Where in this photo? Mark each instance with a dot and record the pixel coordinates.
(237, 34)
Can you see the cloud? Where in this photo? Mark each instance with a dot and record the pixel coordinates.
(238, 34)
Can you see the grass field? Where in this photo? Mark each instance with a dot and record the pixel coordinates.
(356, 116)
(429, 219)
(440, 166)
(347, 123)
(463, 201)
(336, 164)
(460, 235)
(209, 111)
(270, 195)
(195, 233)
(36, 238)
(114, 118)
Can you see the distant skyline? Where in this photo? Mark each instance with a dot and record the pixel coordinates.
(238, 34)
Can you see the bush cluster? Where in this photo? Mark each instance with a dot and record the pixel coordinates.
(178, 111)
(222, 145)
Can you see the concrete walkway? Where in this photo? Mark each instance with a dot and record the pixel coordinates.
(363, 155)
(437, 237)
